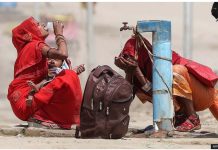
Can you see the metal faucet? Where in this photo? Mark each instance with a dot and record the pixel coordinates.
(125, 27)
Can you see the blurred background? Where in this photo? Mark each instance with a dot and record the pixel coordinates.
(94, 38)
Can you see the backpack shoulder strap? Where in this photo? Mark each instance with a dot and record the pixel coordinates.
(98, 71)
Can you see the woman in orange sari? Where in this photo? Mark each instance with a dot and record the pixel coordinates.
(56, 105)
(190, 93)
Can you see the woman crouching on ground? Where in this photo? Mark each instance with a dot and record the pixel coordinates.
(56, 105)
(190, 91)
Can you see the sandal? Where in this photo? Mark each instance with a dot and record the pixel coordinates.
(32, 122)
(179, 118)
(192, 123)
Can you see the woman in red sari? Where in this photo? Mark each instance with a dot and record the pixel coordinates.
(58, 103)
(191, 92)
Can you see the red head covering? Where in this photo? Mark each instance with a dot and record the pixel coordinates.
(28, 41)
(26, 32)
(144, 61)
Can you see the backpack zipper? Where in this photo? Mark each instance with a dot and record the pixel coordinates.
(92, 104)
(100, 105)
(92, 95)
(107, 111)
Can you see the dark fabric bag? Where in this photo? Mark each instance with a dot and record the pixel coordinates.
(105, 106)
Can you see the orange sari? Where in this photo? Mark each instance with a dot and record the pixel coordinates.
(185, 84)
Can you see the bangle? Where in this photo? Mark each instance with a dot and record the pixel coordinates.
(58, 35)
(58, 43)
(59, 38)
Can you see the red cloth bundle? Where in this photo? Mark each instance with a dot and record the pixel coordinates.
(203, 73)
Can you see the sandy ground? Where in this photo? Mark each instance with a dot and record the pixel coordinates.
(107, 44)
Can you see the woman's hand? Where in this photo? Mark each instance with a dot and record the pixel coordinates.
(58, 27)
(128, 65)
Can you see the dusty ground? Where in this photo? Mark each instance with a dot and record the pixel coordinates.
(107, 21)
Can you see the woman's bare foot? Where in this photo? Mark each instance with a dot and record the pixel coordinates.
(79, 69)
(33, 86)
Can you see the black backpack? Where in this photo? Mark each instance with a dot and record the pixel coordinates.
(105, 106)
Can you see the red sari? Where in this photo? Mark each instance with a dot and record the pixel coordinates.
(59, 101)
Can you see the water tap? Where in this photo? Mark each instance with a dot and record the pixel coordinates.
(125, 27)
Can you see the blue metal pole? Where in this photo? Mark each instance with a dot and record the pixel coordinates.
(161, 71)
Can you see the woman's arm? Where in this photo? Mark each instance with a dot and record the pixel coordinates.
(129, 77)
(131, 68)
(61, 51)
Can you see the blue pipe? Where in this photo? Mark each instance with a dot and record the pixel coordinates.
(161, 41)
